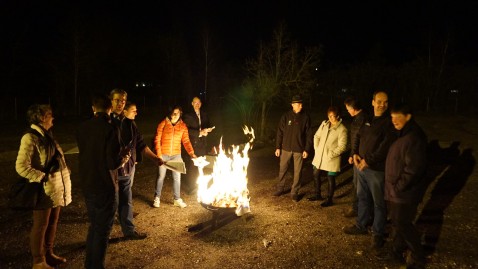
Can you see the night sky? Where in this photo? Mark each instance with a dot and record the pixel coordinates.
(37, 35)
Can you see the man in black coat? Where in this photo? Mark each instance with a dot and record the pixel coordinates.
(293, 141)
(405, 169)
(99, 159)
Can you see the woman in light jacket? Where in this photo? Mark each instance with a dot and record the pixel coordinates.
(330, 142)
(32, 161)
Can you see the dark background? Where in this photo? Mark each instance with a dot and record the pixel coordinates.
(63, 51)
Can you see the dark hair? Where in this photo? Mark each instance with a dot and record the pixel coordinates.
(174, 108)
(333, 109)
(128, 105)
(36, 112)
(101, 102)
(118, 91)
(402, 108)
(353, 102)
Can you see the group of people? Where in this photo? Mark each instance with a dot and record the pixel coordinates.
(110, 145)
(388, 153)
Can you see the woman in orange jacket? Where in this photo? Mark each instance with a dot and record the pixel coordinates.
(171, 132)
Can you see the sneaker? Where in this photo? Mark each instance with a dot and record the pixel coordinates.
(156, 202)
(296, 197)
(354, 230)
(326, 203)
(278, 193)
(135, 236)
(180, 203)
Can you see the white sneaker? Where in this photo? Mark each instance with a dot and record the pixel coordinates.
(156, 202)
(180, 203)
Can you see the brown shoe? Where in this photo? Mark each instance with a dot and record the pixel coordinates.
(54, 260)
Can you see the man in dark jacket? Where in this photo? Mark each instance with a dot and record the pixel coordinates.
(358, 119)
(405, 169)
(369, 153)
(132, 141)
(292, 142)
(99, 158)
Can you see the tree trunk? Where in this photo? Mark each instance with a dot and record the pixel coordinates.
(263, 119)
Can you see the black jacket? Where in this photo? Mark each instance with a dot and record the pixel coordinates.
(406, 166)
(357, 122)
(192, 122)
(130, 138)
(293, 132)
(99, 155)
(373, 140)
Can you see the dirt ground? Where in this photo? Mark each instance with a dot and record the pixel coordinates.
(278, 233)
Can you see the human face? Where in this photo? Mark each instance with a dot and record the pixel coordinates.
(131, 112)
(351, 110)
(399, 120)
(333, 118)
(380, 104)
(118, 102)
(296, 107)
(196, 103)
(47, 120)
(175, 115)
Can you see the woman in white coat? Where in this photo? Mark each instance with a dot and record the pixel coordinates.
(37, 154)
(330, 142)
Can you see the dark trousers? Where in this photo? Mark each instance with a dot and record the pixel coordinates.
(405, 235)
(101, 212)
(125, 203)
(43, 232)
(285, 158)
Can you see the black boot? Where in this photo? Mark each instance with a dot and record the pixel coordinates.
(330, 194)
(317, 183)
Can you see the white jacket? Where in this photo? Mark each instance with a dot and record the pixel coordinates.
(329, 144)
(31, 161)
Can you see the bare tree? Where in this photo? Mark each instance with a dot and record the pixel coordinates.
(280, 70)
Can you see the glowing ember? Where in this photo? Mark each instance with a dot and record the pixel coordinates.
(226, 187)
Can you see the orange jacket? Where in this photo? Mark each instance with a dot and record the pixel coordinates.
(168, 138)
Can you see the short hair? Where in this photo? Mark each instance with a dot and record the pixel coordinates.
(402, 108)
(101, 102)
(353, 102)
(36, 112)
(333, 109)
(118, 91)
(377, 92)
(128, 105)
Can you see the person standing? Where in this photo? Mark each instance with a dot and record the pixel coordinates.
(199, 127)
(405, 184)
(132, 141)
(358, 119)
(99, 159)
(39, 153)
(292, 142)
(330, 142)
(369, 152)
(170, 134)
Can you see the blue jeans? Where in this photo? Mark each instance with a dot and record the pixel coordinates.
(162, 174)
(370, 188)
(101, 212)
(125, 205)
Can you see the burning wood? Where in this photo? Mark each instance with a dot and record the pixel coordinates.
(226, 187)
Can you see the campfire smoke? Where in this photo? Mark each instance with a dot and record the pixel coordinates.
(226, 187)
